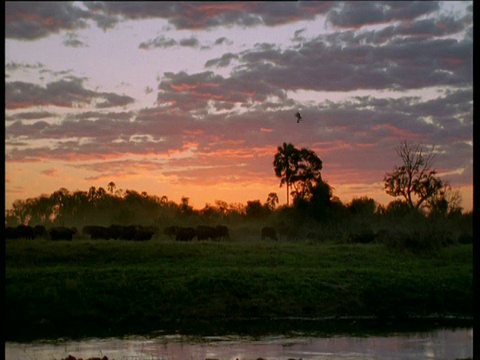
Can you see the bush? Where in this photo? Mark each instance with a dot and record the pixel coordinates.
(416, 241)
(465, 238)
(363, 237)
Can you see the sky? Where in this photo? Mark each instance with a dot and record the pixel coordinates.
(192, 99)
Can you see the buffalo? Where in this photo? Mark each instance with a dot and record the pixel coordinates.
(363, 237)
(170, 231)
(96, 232)
(40, 231)
(114, 232)
(130, 232)
(10, 233)
(269, 232)
(205, 232)
(62, 233)
(222, 232)
(20, 232)
(185, 234)
(143, 233)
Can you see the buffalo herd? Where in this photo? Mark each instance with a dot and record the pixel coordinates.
(130, 232)
(201, 232)
(136, 233)
(118, 232)
(39, 231)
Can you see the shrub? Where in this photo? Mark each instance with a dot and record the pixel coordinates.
(465, 238)
(415, 241)
(363, 237)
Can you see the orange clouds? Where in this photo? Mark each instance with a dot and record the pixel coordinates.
(214, 9)
(396, 132)
(183, 87)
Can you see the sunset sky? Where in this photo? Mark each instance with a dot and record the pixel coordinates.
(193, 98)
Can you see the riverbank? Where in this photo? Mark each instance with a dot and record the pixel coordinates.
(104, 288)
(436, 344)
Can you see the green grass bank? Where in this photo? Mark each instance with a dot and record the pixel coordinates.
(86, 288)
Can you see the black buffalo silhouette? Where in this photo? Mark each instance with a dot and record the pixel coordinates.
(20, 232)
(96, 232)
(185, 234)
(144, 233)
(170, 231)
(40, 231)
(10, 232)
(62, 233)
(114, 231)
(130, 232)
(205, 232)
(269, 232)
(222, 232)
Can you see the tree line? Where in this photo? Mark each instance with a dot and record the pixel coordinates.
(419, 192)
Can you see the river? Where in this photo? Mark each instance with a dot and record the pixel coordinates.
(441, 344)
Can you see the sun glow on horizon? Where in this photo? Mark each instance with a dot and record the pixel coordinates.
(199, 194)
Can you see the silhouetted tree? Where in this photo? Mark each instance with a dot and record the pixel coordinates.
(398, 209)
(362, 206)
(91, 195)
(414, 180)
(297, 168)
(284, 165)
(272, 201)
(222, 206)
(20, 212)
(101, 193)
(184, 207)
(446, 203)
(111, 187)
(209, 212)
(307, 173)
(319, 204)
(255, 210)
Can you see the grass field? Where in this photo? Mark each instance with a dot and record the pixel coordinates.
(83, 287)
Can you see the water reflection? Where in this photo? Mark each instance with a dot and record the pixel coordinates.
(439, 344)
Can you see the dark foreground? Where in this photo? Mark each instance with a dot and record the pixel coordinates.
(112, 288)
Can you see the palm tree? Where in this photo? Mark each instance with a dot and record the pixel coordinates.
(111, 187)
(284, 165)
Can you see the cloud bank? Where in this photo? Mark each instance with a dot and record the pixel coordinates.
(377, 73)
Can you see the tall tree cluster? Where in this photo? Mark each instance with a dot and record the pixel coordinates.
(298, 169)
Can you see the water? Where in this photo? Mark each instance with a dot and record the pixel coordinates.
(441, 344)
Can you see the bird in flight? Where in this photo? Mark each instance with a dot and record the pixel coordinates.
(298, 116)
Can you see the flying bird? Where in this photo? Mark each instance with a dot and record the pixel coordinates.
(298, 116)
